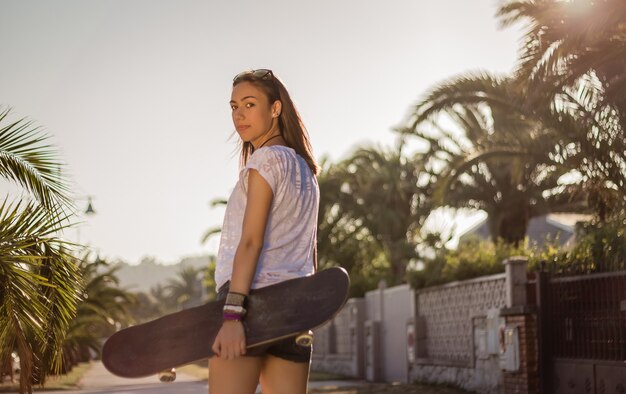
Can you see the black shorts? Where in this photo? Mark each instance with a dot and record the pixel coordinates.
(286, 349)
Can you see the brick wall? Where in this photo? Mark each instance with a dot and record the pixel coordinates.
(524, 381)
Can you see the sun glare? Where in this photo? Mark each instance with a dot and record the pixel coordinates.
(578, 6)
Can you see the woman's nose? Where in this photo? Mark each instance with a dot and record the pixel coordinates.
(238, 114)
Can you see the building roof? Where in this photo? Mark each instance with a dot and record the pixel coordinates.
(553, 226)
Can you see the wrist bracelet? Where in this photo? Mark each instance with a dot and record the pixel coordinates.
(232, 316)
(236, 299)
(234, 309)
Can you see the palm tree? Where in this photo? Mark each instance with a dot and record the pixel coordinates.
(374, 196)
(504, 160)
(342, 241)
(164, 303)
(39, 283)
(186, 288)
(28, 160)
(573, 61)
(39, 286)
(566, 40)
(213, 230)
(105, 308)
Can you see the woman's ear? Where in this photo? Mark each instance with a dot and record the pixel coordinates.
(277, 107)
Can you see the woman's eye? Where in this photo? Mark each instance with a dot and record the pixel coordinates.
(233, 107)
(250, 105)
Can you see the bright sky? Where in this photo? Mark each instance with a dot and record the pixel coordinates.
(135, 93)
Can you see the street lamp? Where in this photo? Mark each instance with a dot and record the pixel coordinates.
(89, 210)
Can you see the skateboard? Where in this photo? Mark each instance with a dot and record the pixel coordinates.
(286, 309)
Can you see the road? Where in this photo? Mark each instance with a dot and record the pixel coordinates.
(98, 380)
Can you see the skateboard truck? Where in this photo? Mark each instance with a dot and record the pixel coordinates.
(168, 375)
(305, 339)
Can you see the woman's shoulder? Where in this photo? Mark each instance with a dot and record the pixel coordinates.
(275, 149)
(274, 152)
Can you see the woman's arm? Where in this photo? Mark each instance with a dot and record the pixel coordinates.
(230, 341)
(252, 234)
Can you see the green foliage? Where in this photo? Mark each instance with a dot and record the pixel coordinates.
(145, 308)
(571, 68)
(365, 267)
(372, 207)
(27, 159)
(105, 308)
(472, 258)
(190, 287)
(567, 39)
(518, 138)
(600, 247)
(501, 156)
(39, 280)
(209, 285)
(476, 257)
(185, 289)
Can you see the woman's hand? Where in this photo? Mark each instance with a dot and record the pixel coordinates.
(230, 341)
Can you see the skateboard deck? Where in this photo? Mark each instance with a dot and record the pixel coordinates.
(275, 312)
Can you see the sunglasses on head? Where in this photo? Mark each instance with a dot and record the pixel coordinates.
(261, 73)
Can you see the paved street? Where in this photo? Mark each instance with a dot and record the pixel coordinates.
(99, 380)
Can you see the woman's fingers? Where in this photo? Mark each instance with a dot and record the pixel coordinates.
(228, 344)
(228, 351)
(216, 346)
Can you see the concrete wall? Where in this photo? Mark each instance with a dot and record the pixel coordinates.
(458, 334)
(445, 334)
(338, 345)
(398, 308)
(367, 339)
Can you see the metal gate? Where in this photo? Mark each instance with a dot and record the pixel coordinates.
(582, 333)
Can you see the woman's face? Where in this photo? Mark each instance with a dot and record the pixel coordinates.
(252, 113)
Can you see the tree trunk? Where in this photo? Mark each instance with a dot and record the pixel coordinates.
(398, 262)
(510, 225)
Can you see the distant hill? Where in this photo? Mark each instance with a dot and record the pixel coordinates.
(148, 273)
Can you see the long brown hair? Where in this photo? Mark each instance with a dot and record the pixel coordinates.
(289, 122)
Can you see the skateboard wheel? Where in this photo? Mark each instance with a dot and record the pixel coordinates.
(167, 376)
(305, 339)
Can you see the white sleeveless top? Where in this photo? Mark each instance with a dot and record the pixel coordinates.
(291, 227)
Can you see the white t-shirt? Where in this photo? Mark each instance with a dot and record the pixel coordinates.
(290, 232)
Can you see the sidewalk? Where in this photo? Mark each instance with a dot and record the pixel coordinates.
(98, 380)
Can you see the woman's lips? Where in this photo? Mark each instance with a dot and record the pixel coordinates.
(242, 128)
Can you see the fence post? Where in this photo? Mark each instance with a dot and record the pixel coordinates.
(543, 338)
(521, 319)
(515, 270)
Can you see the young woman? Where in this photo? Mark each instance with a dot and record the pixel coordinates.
(268, 236)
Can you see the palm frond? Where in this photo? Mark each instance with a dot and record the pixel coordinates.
(467, 89)
(37, 298)
(61, 295)
(209, 233)
(27, 159)
(217, 202)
